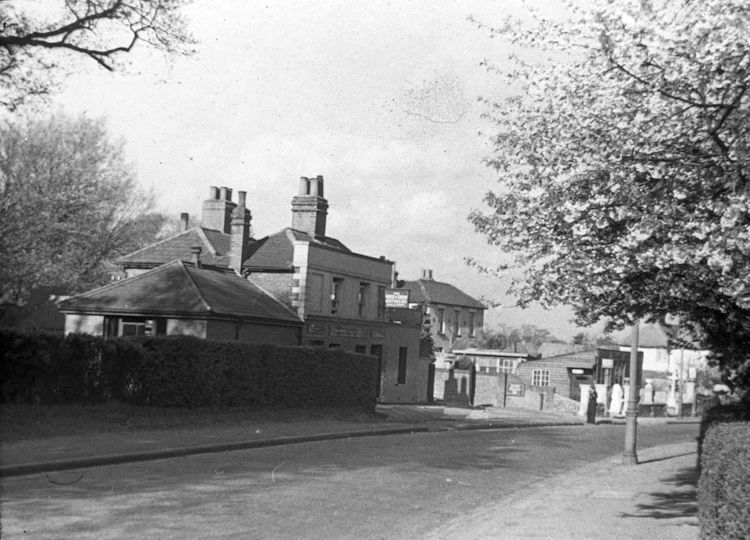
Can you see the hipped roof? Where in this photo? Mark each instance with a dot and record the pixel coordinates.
(276, 251)
(214, 249)
(437, 292)
(180, 289)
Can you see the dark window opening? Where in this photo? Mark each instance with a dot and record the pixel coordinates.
(402, 356)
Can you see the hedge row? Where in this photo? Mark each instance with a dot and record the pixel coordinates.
(719, 414)
(179, 371)
(724, 485)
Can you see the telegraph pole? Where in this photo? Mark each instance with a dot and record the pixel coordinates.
(630, 457)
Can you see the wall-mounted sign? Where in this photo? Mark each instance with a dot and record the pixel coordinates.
(348, 331)
(576, 371)
(396, 298)
(516, 389)
(608, 363)
(314, 328)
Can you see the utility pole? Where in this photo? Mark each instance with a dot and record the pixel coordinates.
(630, 457)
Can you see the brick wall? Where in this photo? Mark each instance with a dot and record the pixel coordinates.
(252, 333)
(279, 285)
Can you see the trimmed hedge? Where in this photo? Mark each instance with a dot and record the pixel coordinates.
(733, 412)
(179, 372)
(724, 485)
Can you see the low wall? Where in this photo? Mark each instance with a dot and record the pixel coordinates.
(465, 387)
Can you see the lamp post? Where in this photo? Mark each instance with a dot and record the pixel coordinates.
(629, 456)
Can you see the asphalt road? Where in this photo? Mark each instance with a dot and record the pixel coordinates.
(376, 487)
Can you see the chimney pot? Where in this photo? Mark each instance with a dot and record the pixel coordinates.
(223, 193)
(213, 192)
(184, 219)
(304, 185)
(196, 253)
(241, 197)
(320, 185)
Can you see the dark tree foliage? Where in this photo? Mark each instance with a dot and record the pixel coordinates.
(68, 206)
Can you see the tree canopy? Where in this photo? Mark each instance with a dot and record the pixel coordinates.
(68, 205)
(623, 162)
(35, 49)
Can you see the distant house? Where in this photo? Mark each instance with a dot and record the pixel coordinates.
(181, 298)
(455, 317)
(660, 357)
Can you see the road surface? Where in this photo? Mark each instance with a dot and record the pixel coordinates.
(400, 486)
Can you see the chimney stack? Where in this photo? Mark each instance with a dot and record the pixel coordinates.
(184, 220)
(309, 207)
(240, 239)
(196, 253)
(426, 274)
(217, 210)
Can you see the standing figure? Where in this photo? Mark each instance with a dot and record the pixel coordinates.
(591, 410)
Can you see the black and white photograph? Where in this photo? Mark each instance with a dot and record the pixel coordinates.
(327, 269)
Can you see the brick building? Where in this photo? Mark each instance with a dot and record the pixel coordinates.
(335, 296)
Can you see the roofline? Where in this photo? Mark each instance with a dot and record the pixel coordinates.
(360, 255)
(491, 352)
(178, 314)
(429, 300)
(169, 238)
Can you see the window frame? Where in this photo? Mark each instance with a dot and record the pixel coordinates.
(539, 377)
(336, 285)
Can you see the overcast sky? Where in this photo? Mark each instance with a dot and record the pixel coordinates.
(378, 97)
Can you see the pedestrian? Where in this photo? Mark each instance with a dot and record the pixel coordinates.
(591, 410)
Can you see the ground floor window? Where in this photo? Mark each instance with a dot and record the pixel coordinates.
(134, 326)
(402, 356)
(360, 349)
(540, 377)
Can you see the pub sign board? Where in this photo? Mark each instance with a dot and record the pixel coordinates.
(396, 298)
(516, 389)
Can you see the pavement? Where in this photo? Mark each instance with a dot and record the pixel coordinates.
(654, 499)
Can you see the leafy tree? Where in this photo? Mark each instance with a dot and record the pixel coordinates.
(34, 49)
(623, 167)
(590, 342)
(527, 337)
(68, 205)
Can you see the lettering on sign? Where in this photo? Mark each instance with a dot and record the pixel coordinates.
(348, 331)
(516, 389)
(313, 328)
(396, 298)
(608, 363)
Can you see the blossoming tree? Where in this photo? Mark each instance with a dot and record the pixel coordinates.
(623, 164)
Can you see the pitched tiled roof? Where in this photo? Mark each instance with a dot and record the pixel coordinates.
(275, 252)
(215, 249)
(437, 292)
(178, 289)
